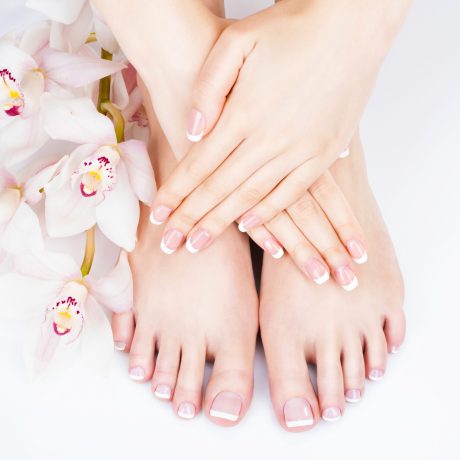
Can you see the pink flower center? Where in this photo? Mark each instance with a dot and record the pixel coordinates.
(11, 97)
(66, 314)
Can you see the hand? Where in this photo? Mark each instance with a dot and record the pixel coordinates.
(294, 79)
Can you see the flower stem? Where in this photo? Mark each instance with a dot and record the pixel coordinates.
(104, 85)
(90, 249)
(117, 119)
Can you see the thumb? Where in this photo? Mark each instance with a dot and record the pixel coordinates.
(216, 79)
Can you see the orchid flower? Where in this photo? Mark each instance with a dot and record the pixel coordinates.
(65, 310)
(102, 181)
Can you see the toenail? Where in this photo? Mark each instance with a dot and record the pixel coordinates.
(249, 221)
(297, 413)
(163, 391)
(171, 240)
(186, 410)
(394, 350)
(331, 414)
(227, 406)
(273, 248)
(357, 251)
(198, 240)
(317, 271)
(159, 214)
(346, 277)
(137, 373)
(119, 346)
(376, 375)
(345, 153)
(353, 396)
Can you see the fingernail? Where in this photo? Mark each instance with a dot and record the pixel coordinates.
(357, 251)
(195, 127)
(163, 391)
(227, 406)
(137, 373)
(119, 346)
(344, 154)
(248, 222)
(353, 396)
(376, 375)
(186, 410)
(331, 414)
(394, 350)
(159, 214)
(171, 240)
(297, 412)
(317, 271)
(198, 240)
(346, 277)
(273, 248)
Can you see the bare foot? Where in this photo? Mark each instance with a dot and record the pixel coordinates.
(346, 334)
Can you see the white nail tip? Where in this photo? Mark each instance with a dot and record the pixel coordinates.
(278, 254)
(242, 228)
(160, 395)
(223, 415)
(345, 153)
(119, 346)
(185, 415)
(154, 221)
(375, 378)
(137, 378)
(322, 279)
(352, 400)
(195, 137)
(165, 249)
(299, 423)
(330, 419)
(189, 247)
(362, 260)
(394, 350)
(352, 285)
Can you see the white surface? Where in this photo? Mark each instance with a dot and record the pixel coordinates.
(410, 133)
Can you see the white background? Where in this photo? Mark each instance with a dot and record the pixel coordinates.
(411, 135)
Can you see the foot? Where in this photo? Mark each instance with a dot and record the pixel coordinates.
(346, 334)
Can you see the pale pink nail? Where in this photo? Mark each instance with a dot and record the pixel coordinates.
(137, 373)
(297, 413)
(248, 222)
(376, 375)
(163, 391)
(317, 271)
(198, 240)
(195, 127)
(346, 277)
(357, 251)
(353, 396)
(331, 414)
(119, 346)
(227, 406)
(159, 214)
(186, 410)
(273, 248)
(171, 240)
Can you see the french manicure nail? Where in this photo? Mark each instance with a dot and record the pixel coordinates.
(171, 240)
(346, 277)
(357, 251)
(119, 346)
(248, 222)
(137, 374)
(331, 414)
(353, 396)
(159, 214)
(195, 127)
(198, 240)
(344, 153)
(163, 391)
(376, 375)
(273, 248)
(297, 413)
(227, 406)
(186, 410)
(317, 271)
(394, 349)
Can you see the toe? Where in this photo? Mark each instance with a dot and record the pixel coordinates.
(354, 373)
(330, 383)
(187, 395)
(229, 391)
(123, 330)
(166, 367)
(142, 355)
(375, 354)
(293, 397)
(395, 329)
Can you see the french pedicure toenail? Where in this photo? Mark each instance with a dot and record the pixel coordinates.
(198, 240)
(249, 221)
(317, 271)
(137, 374)
(226, 406)
(195, 126)
(376, 375)
(159, 214)
(186, 410)
(171, 240)
(331, 414)
(394, 350)
(344, 153)
(357, 251)
(346, 277)
(353, 396)
(119, 346)
(163, 392)
(273, 248)
(297, 413)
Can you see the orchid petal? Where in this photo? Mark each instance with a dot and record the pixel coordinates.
(16, 61)
(119, 91)
(105, 36)
(10, 199)
(65, 11)
(35, 38)
(140, 171)
(118, 215)
(32, 86)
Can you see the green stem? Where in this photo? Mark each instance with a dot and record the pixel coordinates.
(90, 249)
(104, 85)
(117, 119)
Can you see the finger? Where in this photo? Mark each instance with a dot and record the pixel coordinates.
(217, 77)
(262, 237)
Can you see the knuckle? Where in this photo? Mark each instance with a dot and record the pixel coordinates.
(194, 170)
(304, 208)
(335, 252)
(250, 195)
(323, 190)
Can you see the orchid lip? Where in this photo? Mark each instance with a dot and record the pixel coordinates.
(59, 330)
(10, 94)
